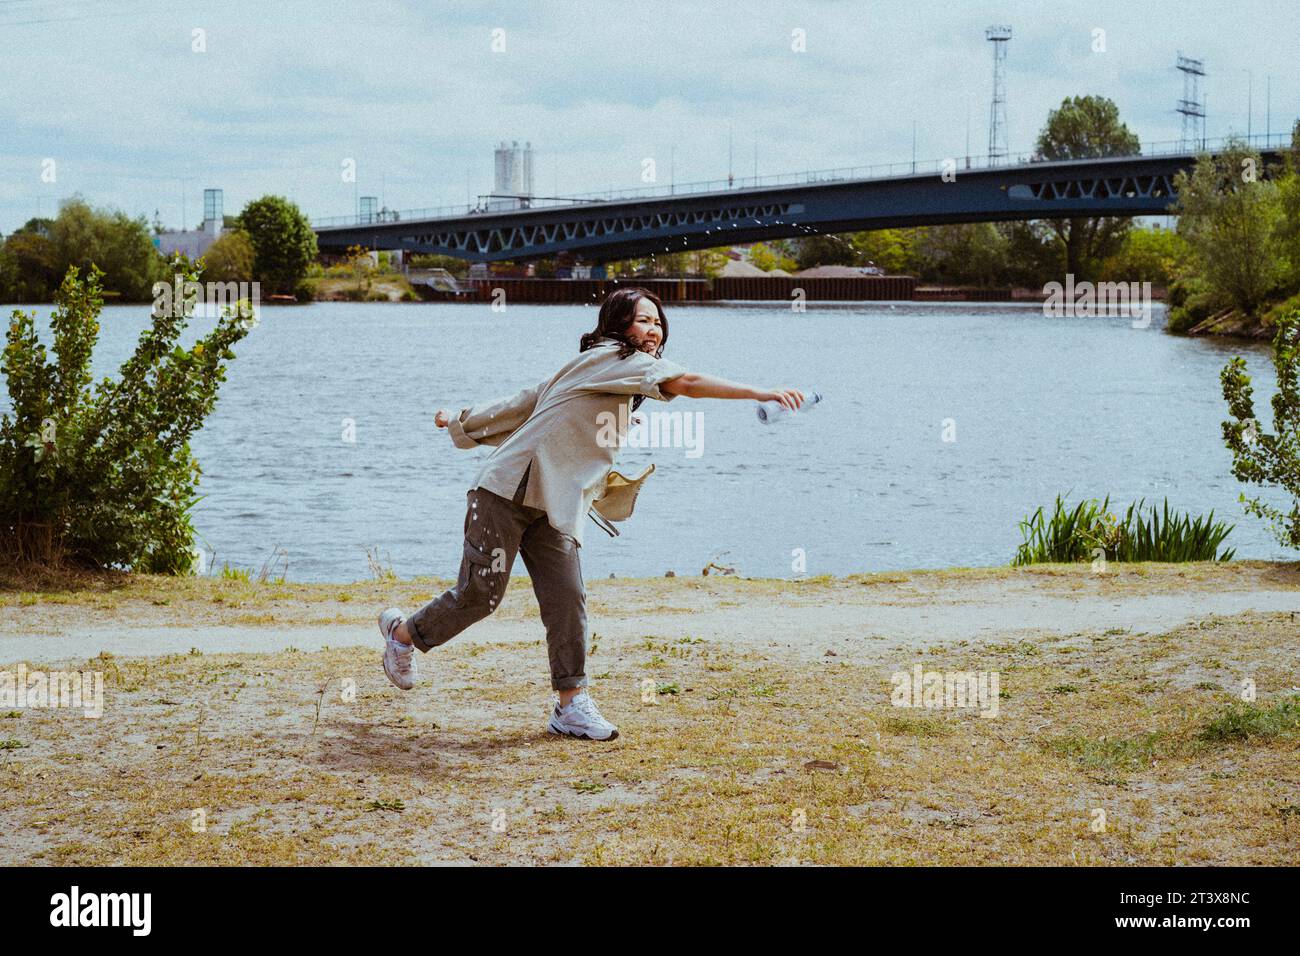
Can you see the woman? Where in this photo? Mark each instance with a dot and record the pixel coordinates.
(531, 495)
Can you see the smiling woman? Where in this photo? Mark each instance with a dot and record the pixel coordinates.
(532, 493)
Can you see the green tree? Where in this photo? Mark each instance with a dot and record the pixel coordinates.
(698, 262)
(1231, 219)
(121, 247)
(1033, 257)
(768, 256)
(826, 251)
(283, 243)
(1288, 188)
(705, 262)
(891, 249)
(28, 267)
(104, 477)
(37, 224)
(965, 254)
(229, 259)
(1268, 459)
(359, 264)
(1148, 255)
(1085, 127)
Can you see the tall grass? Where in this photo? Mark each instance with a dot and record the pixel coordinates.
(1169, 536)
(1078, 533)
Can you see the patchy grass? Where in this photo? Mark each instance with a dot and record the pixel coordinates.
(1246, 721)
(1129, 754)
(759, 757)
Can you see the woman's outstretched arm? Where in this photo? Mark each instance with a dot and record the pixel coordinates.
(698, 385)
(490, 423)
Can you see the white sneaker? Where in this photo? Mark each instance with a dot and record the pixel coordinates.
(399, 658)
(580, 719)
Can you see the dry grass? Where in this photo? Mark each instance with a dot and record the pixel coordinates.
(287, 768)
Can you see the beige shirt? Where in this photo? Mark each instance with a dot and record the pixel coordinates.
(556, 434)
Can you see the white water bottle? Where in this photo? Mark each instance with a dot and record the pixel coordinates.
(769, 412)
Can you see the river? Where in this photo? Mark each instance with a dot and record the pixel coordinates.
(942, 426)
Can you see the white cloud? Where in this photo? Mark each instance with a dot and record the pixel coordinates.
(414, 93)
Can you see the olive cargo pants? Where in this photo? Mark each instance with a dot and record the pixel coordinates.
(496, 529)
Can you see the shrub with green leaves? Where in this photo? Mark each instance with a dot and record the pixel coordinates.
(104, 476)
(1260, 458)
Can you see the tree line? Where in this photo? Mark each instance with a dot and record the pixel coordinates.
(271, 242)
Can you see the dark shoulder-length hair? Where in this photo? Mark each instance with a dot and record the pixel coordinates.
(616, 314)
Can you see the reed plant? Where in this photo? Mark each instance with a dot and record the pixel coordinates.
(1090, 530)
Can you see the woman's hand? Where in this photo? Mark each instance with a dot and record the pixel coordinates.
(791, 398)
(699, 385)
(441, 418)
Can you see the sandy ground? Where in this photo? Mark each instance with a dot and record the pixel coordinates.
(805, 616)
(251, 723)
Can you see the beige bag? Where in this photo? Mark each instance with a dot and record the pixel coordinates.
(618, 499)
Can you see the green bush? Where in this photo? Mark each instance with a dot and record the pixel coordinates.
(1191, 301)
(103, 476)
(1076, 534)
(1260, 458)
(1276, 312)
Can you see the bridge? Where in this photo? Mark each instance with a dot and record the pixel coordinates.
(635, 223)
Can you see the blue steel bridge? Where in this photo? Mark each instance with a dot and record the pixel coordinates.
(634, 223)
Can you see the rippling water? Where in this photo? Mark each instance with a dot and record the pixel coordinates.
(864, 482)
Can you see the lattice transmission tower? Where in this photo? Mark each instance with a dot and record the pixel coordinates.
(998, 150)
(1191, 105)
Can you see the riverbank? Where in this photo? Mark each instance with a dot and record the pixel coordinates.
(756, 716)
(384, 287)
(1231, 323)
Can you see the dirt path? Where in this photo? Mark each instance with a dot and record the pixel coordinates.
(806, 617)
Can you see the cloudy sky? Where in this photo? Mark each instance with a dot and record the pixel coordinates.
(140, 104)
